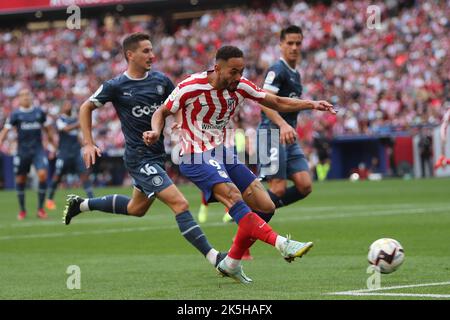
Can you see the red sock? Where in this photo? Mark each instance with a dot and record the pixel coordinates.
(251, 227)
(204, 200)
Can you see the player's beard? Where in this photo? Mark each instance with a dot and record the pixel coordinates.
(232, 86)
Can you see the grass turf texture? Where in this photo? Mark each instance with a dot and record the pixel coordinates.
(147, 258)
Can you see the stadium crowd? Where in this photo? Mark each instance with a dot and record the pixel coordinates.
(381, 80)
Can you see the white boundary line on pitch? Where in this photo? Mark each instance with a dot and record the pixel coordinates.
(401, 209)
(221, 224)
(370, 292)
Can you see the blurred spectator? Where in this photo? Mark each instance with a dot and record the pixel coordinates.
(426, 153)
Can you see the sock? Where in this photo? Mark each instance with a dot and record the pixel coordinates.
(280, 242)
(231, 262)
(265, 216)
(204, 202)
(290, 196)
(53, 187)
(257, 228)
(251, 227)
(115, 203)
(42, 190)
(212, 256)
(192, 232)
(87, 185)
(20, 188)
(239, 210)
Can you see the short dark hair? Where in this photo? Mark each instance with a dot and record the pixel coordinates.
(290, 29)
(228, 52)
(131, 42)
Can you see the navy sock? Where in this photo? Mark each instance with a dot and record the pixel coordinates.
(53, 187)
(265, 216)
(115, 203)
(87, 185)
(42, 190)
(20, 188)
(239, 210)
(192, 232)
(290, 196)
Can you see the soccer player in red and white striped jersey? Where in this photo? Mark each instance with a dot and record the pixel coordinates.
(443, 160)
(207, 101)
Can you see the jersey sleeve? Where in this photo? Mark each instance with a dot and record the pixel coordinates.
(250, 90)
(104, 94)
(273, 80)
(174, 102)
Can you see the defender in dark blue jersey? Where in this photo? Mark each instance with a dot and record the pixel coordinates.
(284, 80)
(29, 122)
(68, 157)
(136, 94)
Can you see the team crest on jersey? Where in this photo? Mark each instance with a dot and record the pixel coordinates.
(160, 89)
(231, 103)
(270, 77)
(174, 93)
(157, 181)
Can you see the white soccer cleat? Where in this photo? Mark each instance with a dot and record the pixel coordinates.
(236, 274)
(294, 249)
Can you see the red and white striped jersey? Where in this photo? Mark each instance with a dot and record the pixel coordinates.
(444, 125)
(206, 111)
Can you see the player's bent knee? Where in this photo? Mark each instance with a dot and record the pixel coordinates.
(305, 189)
(180, 206)
(278, 191)
(267, 206)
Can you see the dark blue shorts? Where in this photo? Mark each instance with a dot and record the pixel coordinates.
(280, 161)
(207, 169)
(22, 162)
(148, 174)
(65, 165)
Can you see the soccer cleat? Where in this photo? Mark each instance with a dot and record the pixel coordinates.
(227, 218)
(41, 214)
(236, 274)
(220, 257)
(22, 215)
(293, 249)
(50, 204)
(203, 213)
(72, 207)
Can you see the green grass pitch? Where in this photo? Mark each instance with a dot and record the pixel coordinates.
(146, 258)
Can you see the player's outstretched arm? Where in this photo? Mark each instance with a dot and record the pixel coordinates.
(284, 104)
(158, 120)
(90, 150)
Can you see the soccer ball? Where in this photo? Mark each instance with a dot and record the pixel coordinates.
(387, 254)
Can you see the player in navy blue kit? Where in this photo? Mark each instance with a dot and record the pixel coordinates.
(135, 95)
(29, 122)
(285, 160)
(68, 157)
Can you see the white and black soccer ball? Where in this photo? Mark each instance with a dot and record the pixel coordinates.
(386, 254)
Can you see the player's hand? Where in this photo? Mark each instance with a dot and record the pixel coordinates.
(287, 134)
(323, 106)
(90, 154)
(150, 137)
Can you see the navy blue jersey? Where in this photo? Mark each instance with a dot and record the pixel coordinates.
(29, 123)
(135, 101)
(284, 82)
(69, 145)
